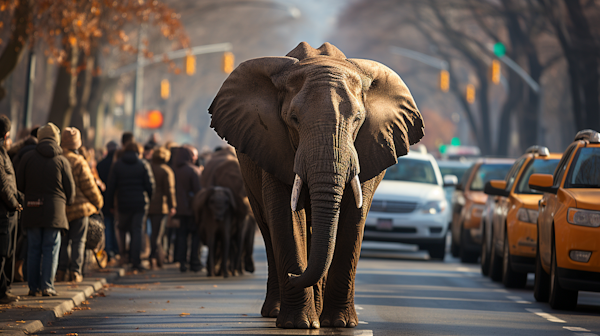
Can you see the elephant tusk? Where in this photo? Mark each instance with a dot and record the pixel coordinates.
(357, 191)
(296, 192)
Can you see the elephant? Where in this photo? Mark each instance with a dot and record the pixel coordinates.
(215, 209)
(223, 169)
(314, 132)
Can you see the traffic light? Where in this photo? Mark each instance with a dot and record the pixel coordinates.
(495, 71)
(470, 94)
(444, 80)
(499, 49)
(165, 89)
(228, 62)
(152, 119)
(190, 65)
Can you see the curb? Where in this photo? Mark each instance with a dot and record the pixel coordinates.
(28, 319)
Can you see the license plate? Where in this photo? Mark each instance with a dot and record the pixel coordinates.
(384, 224)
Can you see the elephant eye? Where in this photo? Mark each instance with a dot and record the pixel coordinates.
(294, 119)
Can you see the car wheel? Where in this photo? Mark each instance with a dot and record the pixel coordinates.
(510, 278)
(485, 256)
(560, 298)
(541, 286)
(467, 256)
(495, 263)
(437, 251)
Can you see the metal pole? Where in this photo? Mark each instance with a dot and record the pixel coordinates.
(139, 82)
(29, 90)
(423, 58)
(519, 71)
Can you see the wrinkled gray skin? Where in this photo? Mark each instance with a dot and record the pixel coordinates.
(326, 119)
(216, 209)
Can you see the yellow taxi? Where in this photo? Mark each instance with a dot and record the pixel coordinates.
(509, 241)
(568, 244)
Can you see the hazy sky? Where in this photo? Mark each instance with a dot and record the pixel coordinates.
(318, 19)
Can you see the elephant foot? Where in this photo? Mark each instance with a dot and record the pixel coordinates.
(249, 265)
(271, 307)
(343, 317)
(297, 318)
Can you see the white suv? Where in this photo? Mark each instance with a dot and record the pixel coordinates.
(410, 206)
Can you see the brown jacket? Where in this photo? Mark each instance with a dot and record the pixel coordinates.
(88, 198)
(163, 197)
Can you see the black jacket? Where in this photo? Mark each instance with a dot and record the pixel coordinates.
(9, 195)
(131, 180)
(45, 177)
(187, 181)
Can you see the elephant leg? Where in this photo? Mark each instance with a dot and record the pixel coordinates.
(210, 262)
(338, 305)
(289, 237)
(226, 243)
(249, 244)
(253, 183)
(239, 242)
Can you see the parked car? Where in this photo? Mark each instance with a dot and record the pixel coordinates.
(409, 206)
(568, 244)
(450, 168)
(509, 240)
(468, 205)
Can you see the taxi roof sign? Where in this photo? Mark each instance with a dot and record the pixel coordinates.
(589, 135)
(540, 150)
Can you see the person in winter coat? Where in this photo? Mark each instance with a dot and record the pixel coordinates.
(88, 200)
(45, 177)
(132, 182)
(187, 184)
(103, 167)
(163, 201)
(10, 204)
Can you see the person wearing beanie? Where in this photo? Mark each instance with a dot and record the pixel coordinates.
(45, 177)
(163, 202)
(131, 181)
(10, 204)
(88, 201)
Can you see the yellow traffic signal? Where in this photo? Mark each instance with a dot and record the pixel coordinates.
(228, 62)
(190, 65)
(165, 89)
(495, 71)
(470, 95)
(444, 80)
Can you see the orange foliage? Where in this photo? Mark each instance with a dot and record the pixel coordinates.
(89, 23)
(438, 129)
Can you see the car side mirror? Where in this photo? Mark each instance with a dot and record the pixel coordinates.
(542, 182)
(450, 180)
(496, 188)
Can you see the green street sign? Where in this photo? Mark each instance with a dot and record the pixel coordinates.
(499, 49)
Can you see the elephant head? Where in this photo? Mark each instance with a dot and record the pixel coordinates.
(217, 200)
(319, 118)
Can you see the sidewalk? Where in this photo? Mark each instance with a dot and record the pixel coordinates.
(31, 314)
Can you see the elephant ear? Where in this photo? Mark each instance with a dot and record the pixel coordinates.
(231, 199)
(393, 121)
(246, 113)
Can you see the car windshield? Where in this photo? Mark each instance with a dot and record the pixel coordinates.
(410, 170)
(537, 167)
(585, 169)
(487, 172)
(456, 171)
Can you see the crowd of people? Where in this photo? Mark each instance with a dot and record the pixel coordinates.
(52, 189)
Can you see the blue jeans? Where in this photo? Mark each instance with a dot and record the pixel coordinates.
(76, 235)
(112, 247)
(42, 257)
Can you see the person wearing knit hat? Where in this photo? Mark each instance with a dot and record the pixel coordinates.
(88, 200)
(46, 179)
(71, 138)
(49, 132)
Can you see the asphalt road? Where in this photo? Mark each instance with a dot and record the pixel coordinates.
(397, 293)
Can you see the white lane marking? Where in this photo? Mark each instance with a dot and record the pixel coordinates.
(585, 334)
(363, 322)
(547, 316)
(576, 329)
(518, 299)
(463, 269)
(501, 291)
(358, 307)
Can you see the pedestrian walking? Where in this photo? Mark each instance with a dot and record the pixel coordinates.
(110, 236)
(131, 181)
(10, 205)
(163, 202)
(88, 201)
(45, 177)
(187, 184)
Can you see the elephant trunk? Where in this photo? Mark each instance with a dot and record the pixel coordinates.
(326, 179)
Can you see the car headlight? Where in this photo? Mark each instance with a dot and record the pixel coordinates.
(527, 215)
(583, 217)
(434, 207)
